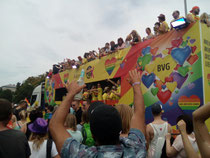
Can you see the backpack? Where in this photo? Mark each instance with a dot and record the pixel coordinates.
(87, 135)
(49, 148)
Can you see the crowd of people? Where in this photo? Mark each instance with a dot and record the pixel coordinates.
(95, 129)
(100, 130)
(160, 27)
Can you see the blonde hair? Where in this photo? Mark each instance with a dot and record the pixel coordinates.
(126, 114)
(23, 115)
(37, 140)
(204, 17)
(71, 122)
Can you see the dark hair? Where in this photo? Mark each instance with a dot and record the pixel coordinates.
(148, 29)
(35, 114)
(120, 39)
(188, 120)
(162, 18)
(5, 110)
(51, 108)
(176, 11)
(157, 23)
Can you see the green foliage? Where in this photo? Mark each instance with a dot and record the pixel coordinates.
(6, 94)
(25, 89)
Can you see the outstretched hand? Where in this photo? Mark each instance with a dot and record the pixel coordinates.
(134, 76)
(74, 88)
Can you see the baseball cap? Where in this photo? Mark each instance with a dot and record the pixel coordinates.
(156, 108)
(105, 121)
(195, 7)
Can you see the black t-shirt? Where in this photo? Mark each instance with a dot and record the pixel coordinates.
(13, 143)
(79, 115)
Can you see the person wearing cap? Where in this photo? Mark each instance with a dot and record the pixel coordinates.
(156, 131)
(13, 143)
(193, 16)
(176, 16)
(38, 140)
(105, 125)
(164, 28)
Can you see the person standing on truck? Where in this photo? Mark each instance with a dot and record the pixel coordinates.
(193, 16)
(156, 131)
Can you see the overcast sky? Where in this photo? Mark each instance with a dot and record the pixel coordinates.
(35, 34)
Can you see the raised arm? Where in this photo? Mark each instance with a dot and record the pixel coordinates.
(138, 119)
(200, 129)
(112, 82)
(187, 145)
(56, 126)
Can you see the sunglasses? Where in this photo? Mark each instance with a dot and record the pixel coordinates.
(73, 105)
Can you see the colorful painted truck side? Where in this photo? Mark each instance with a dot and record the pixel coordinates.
(176, 66)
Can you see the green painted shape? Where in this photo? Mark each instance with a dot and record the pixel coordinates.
(154, 91)
(144, 60)
(149, 99)
(183, 70)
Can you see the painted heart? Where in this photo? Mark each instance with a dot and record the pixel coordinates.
(177, 42)
(176, 91)
(110, 65)
(183, 70)
(171, 86)
(154, 50)
(154, 91)
(170, 103)
(143, 61)
(177, 66)
(169, 79)
(163, 86)
(192, 41)
(165, 52)
(158, 84)
(191, 85)
(157, 56)
(164, 67)
(189, 103)
(170, 49)
(148, 80)
(150, 67)
(192, 59)
(193, 49)
(146, 50)
(188, 37)
(181, 54)
(184, 43)
(164, 96)
(122, 65)
(179, 79)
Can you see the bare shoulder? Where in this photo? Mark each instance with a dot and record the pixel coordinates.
(149, 129)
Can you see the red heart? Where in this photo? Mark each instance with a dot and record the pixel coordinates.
(160, 129)
(176, 43)
(169, 50)
(177, 66)
(169, 79)
(192, 59)
(159, 84)
(164, 96)
(154, 50)
(193, 49)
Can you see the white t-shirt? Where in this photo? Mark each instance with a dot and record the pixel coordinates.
(42, 152)
(179, 146)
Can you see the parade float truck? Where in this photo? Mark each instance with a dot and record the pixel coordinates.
(176, 69)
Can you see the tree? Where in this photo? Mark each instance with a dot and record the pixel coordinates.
(6, 94)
